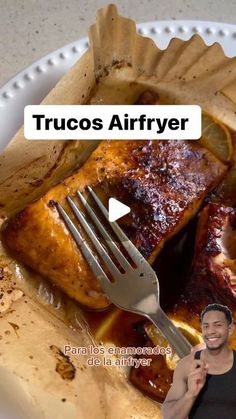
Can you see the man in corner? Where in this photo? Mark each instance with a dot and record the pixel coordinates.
(204, 383)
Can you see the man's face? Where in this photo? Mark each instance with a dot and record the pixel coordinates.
(215, 329)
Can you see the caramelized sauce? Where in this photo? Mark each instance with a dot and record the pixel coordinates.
(125, 329)
(173, 276)
(153, 381)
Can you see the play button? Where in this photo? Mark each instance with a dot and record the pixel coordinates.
(116, 209)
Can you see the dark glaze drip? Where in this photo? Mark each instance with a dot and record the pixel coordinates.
(154, 381)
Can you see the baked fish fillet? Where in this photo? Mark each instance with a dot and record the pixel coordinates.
(213, 276)
(164, 183)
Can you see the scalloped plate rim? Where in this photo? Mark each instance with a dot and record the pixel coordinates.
(15, 94)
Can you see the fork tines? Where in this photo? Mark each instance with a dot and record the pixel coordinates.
(88, 227)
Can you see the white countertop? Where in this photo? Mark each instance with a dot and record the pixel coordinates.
(29, 29)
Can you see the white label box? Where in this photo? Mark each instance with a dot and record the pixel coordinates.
(112, 122)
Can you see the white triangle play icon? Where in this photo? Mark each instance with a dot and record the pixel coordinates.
(116, 209)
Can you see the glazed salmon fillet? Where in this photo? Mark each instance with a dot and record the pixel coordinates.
(163, 182)
(213, 275)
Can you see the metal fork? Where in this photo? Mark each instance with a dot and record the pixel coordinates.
(135, 289)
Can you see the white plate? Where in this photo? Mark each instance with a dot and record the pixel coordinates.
(32, 84)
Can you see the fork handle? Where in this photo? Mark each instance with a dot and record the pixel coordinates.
(176, 340)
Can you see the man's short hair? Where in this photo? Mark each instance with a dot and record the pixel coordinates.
(218, 307)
